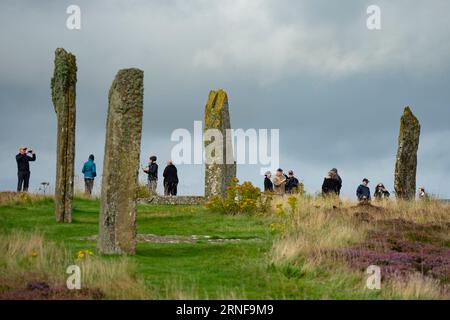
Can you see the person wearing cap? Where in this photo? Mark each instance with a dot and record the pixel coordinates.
(90, 172)
(363, 191)
(23, 168)
(335, 175)
(291, 183)
(268, 185)
(152, 171)
(279, 182)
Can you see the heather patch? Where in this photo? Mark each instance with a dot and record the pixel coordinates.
(403, 247)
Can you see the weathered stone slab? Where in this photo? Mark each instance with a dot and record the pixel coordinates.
(63, 85)
(178, 200)
(121, 163)
(406, 161)
(220, 166)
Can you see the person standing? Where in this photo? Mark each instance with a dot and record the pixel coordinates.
(330, 185)
(291, 183)
(170, 179)
(279, 182)
(422, 194)
(363, 191)
(381, 192)
(90, 172)
(335, 175)
(152, 171)
(268, 185)
(23, 168)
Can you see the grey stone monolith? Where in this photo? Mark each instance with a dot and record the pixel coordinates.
(406, 161)
(63, 85)
(117, 233)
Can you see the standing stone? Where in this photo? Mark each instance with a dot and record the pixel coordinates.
(406, 164)
(220, 167)
(121, 163)
(63, 85)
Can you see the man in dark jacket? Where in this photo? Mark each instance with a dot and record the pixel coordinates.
(291, 183)
(268, 185)
(152, 171)
(23, 168)
(363, 191)
(330, 186)
(170, 179)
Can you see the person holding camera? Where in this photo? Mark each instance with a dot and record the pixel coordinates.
(152, 171)
(23, 168)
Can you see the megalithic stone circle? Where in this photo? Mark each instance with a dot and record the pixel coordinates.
(117, 223)
(220, 167)
(406, 161)
(63, 86)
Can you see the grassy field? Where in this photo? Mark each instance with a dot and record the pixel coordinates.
(190, 253)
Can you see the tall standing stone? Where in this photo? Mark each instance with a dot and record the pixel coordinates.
(121, 163)
(63, 85)
(406, 163)
(220, 167)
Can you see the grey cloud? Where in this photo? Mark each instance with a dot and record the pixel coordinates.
(310, 68)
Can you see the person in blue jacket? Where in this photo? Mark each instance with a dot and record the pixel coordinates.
(363, 191)
(90, 173)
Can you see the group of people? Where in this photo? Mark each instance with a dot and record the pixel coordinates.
(281, 183)
(26, 155)
(170, 176)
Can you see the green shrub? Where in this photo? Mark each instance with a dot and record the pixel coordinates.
(143, 192)
(240, 199)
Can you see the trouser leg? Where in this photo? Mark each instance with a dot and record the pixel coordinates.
(20, 181)
(26, 181)
(91, 186)
(173, 189)
(88, 186)
(152, 184)
(166, 188)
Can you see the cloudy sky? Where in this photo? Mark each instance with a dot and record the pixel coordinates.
(335, 89)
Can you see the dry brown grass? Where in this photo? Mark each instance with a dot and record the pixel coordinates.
(414, 288)
(10, 198)
(314, 227)
(28, 257)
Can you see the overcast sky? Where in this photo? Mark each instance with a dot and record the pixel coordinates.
(335, 89)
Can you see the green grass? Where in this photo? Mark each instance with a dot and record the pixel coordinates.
(193, 270)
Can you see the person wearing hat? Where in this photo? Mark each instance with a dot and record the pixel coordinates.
(23, 168)
(152, 171)
(268, 185)
(291, 183)
(90, 172)
(363, 191)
